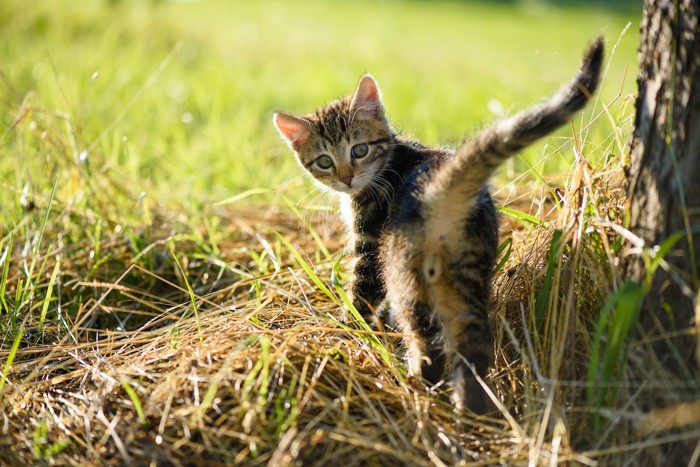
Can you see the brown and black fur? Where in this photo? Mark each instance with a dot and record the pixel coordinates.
(423, 227)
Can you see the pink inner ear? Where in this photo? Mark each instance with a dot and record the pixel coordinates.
(292, 129)
(367, 90)
(367, 98)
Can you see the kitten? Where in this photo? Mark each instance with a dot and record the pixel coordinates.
(423, 228)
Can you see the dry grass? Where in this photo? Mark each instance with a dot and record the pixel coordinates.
(246, 360)
(265, 374)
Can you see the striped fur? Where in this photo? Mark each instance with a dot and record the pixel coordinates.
(422, 224)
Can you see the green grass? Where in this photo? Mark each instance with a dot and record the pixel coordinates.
(168, 275)
(175, 99)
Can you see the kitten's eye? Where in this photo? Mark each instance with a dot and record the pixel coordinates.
(324, 161)
(359, 151)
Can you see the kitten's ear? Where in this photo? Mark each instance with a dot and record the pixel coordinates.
(367, 100)
(294, 130)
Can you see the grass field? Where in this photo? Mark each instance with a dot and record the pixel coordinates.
(171, 290)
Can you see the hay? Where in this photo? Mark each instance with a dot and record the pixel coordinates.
(267, 370)
(265, 373)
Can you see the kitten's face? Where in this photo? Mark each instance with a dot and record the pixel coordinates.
(345, 144)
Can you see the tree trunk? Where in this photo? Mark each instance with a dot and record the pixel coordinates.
(664, 172)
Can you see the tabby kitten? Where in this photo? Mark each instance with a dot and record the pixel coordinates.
(423, 227)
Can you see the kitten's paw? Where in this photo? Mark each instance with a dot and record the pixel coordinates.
(372, 319)
(416, 382)
(471, 395)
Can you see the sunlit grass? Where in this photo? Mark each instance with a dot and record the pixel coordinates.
(175, 99)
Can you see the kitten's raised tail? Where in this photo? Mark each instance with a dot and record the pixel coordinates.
(461, 178)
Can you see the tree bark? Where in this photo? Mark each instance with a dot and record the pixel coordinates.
(664, 172)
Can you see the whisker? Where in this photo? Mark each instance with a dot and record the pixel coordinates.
(310, 202)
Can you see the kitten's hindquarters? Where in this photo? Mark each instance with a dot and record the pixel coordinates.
(451, 191)
(440, 298)
(438, 260)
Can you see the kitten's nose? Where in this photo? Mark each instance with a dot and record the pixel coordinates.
(347, 180)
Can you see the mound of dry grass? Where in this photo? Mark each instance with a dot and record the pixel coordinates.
(177, 355)
(262, 372)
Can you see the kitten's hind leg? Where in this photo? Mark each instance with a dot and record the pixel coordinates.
(425, 352)
(468, 339)
(411, 311)
(474, 355)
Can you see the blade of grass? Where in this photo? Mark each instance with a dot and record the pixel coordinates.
(49, 293)
(12, 354)
(653, 263)
(5, 261)
(507, 243)
(190, 292)
(553, 255)
(307, 268)
(308, 226)
(369, 336)
(244, 195)
(131, 392)
(264, 357)
(521, 216)
(614, 325)
(37, 245)
(335, 272)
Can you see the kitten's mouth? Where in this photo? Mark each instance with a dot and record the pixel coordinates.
(349, 189)
(352, 189)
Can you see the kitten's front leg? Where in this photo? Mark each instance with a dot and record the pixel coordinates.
(365, 218)
(367, 287)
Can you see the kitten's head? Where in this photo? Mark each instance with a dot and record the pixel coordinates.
(345, 144)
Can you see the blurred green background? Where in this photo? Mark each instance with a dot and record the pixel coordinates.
(174, 99)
